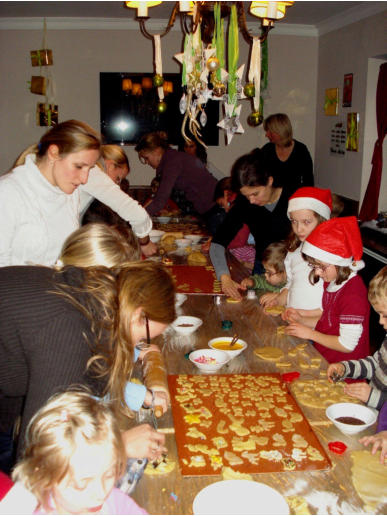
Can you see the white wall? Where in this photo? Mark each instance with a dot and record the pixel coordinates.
(347, 50)
(79, 56)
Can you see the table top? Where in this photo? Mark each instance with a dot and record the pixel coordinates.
(326, 492)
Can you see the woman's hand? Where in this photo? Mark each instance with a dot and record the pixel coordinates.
(246, 283)
(299, 330)
(337, 368)
(143, 441)
(149, 249)
(378, 440)
(230, 287)
(268, 299)
(361, 391)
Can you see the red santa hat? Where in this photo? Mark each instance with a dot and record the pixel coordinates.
(311, 198)
(336, 241)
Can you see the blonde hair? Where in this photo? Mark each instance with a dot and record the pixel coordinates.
(274, 256)
(67, 420)
(70, 136)
(112, 296)
(293, 242)
(377, 290)
(99, 244)
(114, 153)
(279, 123)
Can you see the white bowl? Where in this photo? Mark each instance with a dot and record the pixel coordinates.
(361, 412)
(180, 299)
(194, 238)
(155, 235)
(194, 323)
(239, 497)
(220, 359)
(231, 352)
(182, 242)
(163, 220)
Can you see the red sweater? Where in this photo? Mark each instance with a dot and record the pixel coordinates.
(348, 305)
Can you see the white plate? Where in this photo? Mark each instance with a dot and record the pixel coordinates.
(239, 497)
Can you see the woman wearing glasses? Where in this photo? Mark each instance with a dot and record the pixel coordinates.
(78, 326)
(340, 331)
(179, 171)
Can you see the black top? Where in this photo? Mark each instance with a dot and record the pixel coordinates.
(266, 226)
(43, 348)
(296, 171)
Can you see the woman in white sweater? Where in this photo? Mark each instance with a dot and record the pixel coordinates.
(40, 200)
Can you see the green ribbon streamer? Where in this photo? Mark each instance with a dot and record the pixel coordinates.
(233, 56)
(264, 65)
(184, 70)
(49, 115)
(218, 40)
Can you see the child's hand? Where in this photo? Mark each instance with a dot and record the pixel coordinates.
(299, 330)
(291, 315)
(337, 368)
(361, 391)
(247, 282)
(378, 440)
(206, 246)
(143, 441)
(161, 400)
(268, 299)
(151, 347)
(230, 287)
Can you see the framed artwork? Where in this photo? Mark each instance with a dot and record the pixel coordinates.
(347, 90)
(338, 139)
(331, 101)
(352, 143)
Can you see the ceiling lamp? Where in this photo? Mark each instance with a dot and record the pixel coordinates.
(207, 73)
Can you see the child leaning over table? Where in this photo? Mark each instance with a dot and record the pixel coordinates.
(372, 368)
(274, 277)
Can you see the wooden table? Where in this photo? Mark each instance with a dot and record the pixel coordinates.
(327, 492)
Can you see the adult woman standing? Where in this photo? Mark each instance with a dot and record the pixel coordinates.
(287, 159)
(39, 198)
(177, 170)
(77, 326)
(108, 200)
(261, 205)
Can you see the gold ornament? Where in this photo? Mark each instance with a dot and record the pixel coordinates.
(219, 89)
(158, 80)
(213, 64)
(249, 89)
(254, 119)
(161, 107)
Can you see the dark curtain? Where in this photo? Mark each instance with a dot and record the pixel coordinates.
(369, 208)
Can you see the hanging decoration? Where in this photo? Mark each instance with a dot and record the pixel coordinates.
(158, 79)
(43, 84)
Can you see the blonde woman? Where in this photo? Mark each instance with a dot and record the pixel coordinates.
(103, 185)
(287, 159)
(98, 244)
(39, 198)
(81, 326)
(74, 456)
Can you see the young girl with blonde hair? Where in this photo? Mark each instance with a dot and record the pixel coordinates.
(79, 326)
(73, 457)
(307, 208)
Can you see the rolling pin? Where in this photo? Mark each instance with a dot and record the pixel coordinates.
(155, 376)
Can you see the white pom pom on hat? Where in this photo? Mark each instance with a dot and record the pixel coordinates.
(337, 242)
(311, 198)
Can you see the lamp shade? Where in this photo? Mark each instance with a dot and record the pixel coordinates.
(142, 7)
(146, 83)
(136, 89)
(269, 10)
(126, 84)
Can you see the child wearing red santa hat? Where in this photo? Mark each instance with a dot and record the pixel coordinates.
(307, 208)
(340, 332)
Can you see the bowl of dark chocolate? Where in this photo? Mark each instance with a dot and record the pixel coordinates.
(351, 418)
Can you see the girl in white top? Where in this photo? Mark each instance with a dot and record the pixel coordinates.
(308, 207)
(39, 198)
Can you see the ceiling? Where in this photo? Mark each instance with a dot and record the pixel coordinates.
(302, 12)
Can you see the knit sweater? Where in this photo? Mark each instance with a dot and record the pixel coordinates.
(43, 347)
(36, 217)
(373, 368)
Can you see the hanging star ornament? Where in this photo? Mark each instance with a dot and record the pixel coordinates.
(231, 123)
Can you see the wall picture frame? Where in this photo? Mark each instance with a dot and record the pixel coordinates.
(331, 102)
(347, 90)
(352, 142)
